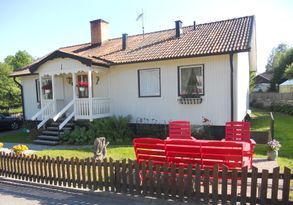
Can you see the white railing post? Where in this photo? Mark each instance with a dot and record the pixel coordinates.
(41, 93)
(74, 94)
(90, 98)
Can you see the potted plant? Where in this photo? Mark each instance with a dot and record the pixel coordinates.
(273, 148)
(47, 88)
(19, 149)
(82, 86)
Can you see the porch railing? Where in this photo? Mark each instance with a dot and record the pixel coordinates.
(100, 108)
(47, 111)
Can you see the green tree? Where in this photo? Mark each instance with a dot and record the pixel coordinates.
(275, 55)
(9, 91)
(19, 60)
(252, 75)
(284, 59)
(289, 71)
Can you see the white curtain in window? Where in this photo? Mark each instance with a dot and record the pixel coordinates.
(149, 82)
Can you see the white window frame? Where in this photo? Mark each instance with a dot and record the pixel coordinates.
(201, 78)
(140, 75)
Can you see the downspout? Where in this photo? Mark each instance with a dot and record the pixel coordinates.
(231, 86)
(22, 99)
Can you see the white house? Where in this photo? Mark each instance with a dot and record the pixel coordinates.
(182, 73)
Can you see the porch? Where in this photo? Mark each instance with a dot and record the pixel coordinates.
(81, 94)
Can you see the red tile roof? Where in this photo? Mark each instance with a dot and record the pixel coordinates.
(232, 35)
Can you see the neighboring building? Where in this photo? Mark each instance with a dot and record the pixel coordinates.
(263, 81)
(177, 74)
(286, 87)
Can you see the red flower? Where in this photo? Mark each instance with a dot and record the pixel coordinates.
(47, 87)
(205, 120)
(83, 84)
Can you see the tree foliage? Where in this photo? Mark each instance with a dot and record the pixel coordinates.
(284, 60)
(274, 55)
(9, 91)
(19, 60)
(289, 71)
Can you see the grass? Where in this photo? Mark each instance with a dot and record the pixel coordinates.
(116, 152)
(19, 137)
(283, 133)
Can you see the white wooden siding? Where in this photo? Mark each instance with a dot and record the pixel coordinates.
(241, 71)
(30, 96)
(216, 101)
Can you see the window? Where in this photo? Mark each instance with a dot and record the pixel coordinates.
(149, 82)
(38, 90)
(190, 80)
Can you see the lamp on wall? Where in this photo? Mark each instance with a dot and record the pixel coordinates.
(97, 80)
(69, 80)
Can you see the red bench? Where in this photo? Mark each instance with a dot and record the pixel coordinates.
(150, 149)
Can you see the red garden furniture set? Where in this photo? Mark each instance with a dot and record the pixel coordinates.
(181, 149)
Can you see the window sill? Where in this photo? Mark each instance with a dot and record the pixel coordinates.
(188, 101)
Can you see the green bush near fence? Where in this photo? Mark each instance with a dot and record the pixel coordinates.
(115, 129)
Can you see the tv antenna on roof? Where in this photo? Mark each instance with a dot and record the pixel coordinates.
(140, 17)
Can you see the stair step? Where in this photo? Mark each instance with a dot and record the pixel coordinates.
(52, 133)
(46, 137)
(46, 142)
(56, 124)
(52, 128)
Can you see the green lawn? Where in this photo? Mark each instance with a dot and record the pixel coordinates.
(116, 152)
(283, 133)
(19, 137)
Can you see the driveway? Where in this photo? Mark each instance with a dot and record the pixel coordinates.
(13, 193)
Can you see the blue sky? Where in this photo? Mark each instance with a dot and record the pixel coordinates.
(40, 27)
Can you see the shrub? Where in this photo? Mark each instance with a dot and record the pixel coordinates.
(283, 108)
(114, 129)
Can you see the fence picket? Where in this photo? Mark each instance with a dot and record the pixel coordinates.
(63, 171)
(151, 178)
(244, 184)
(234, 187)
(58, 165)
(78, 179)
(253, 187)
(144, 178)
(106, 174)
(173, 181)
(206, 184)
(99, 165)
(54, 166)
(118, 176)
(224, 184)
(83, 175)
(197, 182)
(264, 186)
(124, 176)
(68, 172)
(73, 168)
(181, 183)
(286, 185)
(189, 182)
(275, 184)
(166, 186)
(137, 178)
(89, 173)
(130, 176)
(215, 184)
(112, 175)
(94, 170)
(158, 180)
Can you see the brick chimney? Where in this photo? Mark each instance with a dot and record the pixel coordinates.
(99, 31)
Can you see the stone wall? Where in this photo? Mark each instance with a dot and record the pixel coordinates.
(268, 98)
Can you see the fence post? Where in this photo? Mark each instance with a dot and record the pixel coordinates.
(272, 126)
